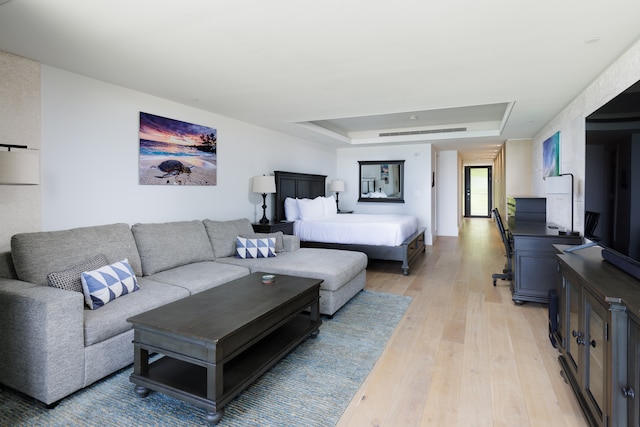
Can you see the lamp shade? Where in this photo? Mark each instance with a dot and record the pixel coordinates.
(558, 184)
(336, 185)
(264, 184)
(21, 166)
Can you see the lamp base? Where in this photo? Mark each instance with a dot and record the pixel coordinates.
(264, 219)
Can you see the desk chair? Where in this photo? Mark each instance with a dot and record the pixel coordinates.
(507, 272)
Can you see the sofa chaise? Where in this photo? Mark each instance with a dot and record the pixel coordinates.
(52, 344)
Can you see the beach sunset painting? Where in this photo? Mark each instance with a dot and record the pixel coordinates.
(176, 153)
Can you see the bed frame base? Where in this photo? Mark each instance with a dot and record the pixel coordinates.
(407, 252)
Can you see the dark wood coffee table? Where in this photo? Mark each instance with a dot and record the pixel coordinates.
(217, 342)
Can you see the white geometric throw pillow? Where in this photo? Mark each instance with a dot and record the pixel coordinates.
(255, 248)
(108, 283)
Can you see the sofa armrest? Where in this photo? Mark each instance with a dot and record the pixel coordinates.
(41, 339)
(291, 243)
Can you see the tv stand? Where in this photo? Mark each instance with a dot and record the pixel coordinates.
(622, 262)
(598, 335)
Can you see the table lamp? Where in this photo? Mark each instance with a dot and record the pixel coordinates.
(264, 185)
(337, 186)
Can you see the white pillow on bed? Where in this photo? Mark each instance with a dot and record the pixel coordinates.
(311, 208)
(291, 209)
(330, 207)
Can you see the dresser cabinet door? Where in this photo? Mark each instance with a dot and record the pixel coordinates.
(575, 331)
(630, 391)
(596, 364)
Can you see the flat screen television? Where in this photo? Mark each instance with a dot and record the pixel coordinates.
(612, 178)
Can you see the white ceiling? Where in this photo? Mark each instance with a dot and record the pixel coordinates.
(341, 72)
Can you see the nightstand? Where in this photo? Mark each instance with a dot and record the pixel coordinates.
(345, 212)
(272, 227)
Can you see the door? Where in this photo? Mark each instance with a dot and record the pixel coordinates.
(477, 190)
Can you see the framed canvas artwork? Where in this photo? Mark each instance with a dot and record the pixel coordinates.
(173, 152)
(551, 156)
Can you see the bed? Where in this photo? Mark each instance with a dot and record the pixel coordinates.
(394, 240)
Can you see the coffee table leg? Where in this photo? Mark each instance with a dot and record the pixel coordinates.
(141, 391)
(214, 418)
(315, 315)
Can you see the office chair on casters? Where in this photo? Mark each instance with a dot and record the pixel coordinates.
(507, 272)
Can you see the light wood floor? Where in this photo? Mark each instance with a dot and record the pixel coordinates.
(464, 354)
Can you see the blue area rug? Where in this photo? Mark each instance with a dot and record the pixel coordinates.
(312, 386)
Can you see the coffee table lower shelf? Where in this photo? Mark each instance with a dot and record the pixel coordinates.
(186, 378)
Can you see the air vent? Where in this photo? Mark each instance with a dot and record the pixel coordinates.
(423, 132)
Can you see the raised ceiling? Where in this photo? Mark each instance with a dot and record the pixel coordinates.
(341, 73)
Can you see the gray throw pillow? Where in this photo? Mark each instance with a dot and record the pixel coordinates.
(70, 279)
(222, 235)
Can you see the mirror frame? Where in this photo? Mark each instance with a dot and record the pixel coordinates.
(399, 199)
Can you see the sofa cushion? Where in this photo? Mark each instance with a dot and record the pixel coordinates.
(335, 267)
(111, 319)
(200, 276)
(70, 279)
(37, 254)
(290, 243)
(222, 234)
(255, 248)
(167, 245)
(278, 235)
(108, 283)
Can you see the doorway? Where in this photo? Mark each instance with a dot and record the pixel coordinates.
(477, 190)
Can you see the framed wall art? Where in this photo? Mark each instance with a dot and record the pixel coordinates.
(551, 156)
(173, 152)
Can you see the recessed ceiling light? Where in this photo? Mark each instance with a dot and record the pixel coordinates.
(592, 40)
(413, 117)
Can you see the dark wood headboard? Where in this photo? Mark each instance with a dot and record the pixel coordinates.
(297, 185)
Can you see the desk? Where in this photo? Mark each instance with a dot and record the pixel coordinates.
(534, 259)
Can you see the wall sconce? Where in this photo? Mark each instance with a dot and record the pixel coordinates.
(264, 185)
(337, 186)
(19, 167)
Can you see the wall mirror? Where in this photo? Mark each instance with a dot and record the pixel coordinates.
(381, 181)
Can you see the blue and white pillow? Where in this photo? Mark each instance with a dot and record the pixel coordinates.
(108, 283)
(255, 248)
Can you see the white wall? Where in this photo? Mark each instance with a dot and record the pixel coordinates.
(518, 176)
(417, 180)
(571, 123)
(90, 158)
(447, 190)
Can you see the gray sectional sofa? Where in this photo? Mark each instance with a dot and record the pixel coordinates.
(52, 344)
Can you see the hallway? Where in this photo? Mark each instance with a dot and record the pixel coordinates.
(464, 354)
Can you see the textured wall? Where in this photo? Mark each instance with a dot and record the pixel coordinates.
(571, 123)
(20, 205)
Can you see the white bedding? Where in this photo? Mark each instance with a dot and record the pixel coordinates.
(364, 229)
